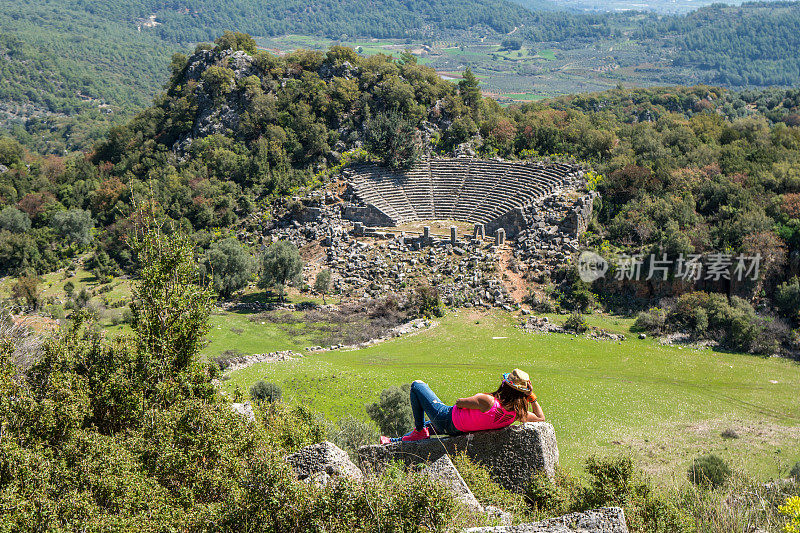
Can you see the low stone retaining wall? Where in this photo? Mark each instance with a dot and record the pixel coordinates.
(512, 455)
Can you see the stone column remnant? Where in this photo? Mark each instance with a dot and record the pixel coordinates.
(499, 237)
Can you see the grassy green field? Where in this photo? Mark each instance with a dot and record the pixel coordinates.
(547, 66)
(548, 54)
(663, 405)
(525, 97)
(235, 331)
(521, 54)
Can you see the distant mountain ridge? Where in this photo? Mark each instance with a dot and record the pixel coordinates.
(69, 68)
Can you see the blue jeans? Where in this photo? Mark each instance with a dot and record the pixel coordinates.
(425, 402)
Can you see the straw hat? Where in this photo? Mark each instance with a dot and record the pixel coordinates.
(519, 380)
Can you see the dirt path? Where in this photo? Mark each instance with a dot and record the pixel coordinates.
(516, 284)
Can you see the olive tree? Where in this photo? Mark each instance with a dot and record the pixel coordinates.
(74, 226)
(229, 265)
(281, 264)
(323, 283)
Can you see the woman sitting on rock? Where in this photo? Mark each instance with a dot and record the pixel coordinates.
(506, 405)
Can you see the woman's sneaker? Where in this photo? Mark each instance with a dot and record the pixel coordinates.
(417, 435)
(385, 440)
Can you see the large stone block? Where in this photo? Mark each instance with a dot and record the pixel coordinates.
(444, 471)
(512, 455)
(244, 409)
(324, 457)
(604, 520)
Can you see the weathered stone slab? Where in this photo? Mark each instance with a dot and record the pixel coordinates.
(324, 457)
(604, 520)
(498, 516)
(244, 409)
(444, 471)
(512, 455)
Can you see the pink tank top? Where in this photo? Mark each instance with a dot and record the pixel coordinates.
(467, 420)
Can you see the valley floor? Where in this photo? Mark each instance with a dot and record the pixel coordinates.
(663, 405)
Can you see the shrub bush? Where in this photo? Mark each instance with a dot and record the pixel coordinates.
(264, 391)
(734, 323)
(575, 294)
(709, 470)
(787, 299)
(392, 411)
(548, 497)
(353, 433)
(791, 510)
(795, 472)
(652, 321)
(576, 322)
(611, 482)
(292, 427)
(427, 302)
(227, 358)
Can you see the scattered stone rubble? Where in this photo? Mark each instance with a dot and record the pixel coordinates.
(541, 324)
(238, 363)
(554, 224)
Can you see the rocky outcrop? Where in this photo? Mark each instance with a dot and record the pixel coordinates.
(239, 362)
(512, 455)
(605, 520)
(244, 409)
(326, 458)
(444, 471)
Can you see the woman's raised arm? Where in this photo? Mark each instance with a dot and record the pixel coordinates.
(537, 415)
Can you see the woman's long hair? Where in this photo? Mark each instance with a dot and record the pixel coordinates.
(512, 400)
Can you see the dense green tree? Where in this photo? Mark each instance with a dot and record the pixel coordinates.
(229, 265)
(231, 40)
(393, 138)
(322, 283)
(14, 220)
(74, 226)
(280, 265)
(26, 290)
(469, 88)
(392, 412)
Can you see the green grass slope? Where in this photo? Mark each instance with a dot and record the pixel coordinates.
(664, 405)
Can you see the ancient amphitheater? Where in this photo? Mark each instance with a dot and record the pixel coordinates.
(488, 192)
(482, 231)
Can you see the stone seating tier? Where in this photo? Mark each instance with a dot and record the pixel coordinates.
(470, 190)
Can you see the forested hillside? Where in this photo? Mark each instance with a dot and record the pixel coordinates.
(69, 69)
(82, 64)
(687, 169)
(755, 44)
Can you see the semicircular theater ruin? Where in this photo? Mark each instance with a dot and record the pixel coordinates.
(488, 192)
